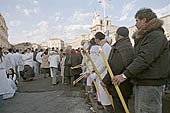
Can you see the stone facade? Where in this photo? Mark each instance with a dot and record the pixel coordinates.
(25, 45)
(44, 45)
(132, 29)
(166, 25)
(3, 33)
(56, 43)
(102, 26)
(98, 25)
(76, 43)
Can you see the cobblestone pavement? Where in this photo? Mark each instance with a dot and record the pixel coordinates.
(63, 99)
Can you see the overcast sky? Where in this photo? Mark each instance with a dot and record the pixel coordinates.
(38, 20)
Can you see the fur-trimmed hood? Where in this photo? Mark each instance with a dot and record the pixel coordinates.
(150, 26)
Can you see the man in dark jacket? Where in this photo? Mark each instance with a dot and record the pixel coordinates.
(120, 57)
(67, 65)
(149, 69)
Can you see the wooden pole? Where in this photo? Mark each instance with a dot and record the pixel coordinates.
(63, 75)
(116, 86)
(78, 79)
(77, 66)
(100, 79)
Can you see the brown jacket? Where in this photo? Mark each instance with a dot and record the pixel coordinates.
(45, 63)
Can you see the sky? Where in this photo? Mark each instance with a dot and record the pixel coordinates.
(38, 20)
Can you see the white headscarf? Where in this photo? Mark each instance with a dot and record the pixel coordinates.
(108, 39)
(86, 45)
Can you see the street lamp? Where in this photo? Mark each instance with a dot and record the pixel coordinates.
(104, 13)
(104, 7)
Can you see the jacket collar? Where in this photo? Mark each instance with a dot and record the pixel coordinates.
(150, 26)
(121, 40)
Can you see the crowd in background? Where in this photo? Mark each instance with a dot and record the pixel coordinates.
(145, 66)
(23, 65)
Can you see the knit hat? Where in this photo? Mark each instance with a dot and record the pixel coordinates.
(123, 31)
(99, 35)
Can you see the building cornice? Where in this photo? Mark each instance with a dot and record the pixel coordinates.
(96, 26)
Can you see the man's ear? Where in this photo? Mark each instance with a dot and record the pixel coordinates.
(144, 20)
(116, 37)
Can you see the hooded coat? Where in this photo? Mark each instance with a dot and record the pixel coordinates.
(151, 63)
(100, 65)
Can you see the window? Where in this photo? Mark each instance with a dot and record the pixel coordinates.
(107, 22)
(101, 22)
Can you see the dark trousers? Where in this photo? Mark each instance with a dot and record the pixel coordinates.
(69, 79)
(109, 109)
(1, 99)
(39, 68)
(118, 105)
(17, 73)
(167, 85)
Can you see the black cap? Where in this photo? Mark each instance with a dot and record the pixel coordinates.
(99, 35)
(123, 31)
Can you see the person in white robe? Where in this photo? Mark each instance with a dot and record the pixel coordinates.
(28, 58)
(62, 64)
(12, 81)
(4, 86)
(94, 54)
(10, 60)
(17, 61)
(85, 44)
(101, 41)
(39, 60)
(54, 59)
(20, 63)
(28, 72)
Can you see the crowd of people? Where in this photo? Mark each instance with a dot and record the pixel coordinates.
(17, 65)
(142, 70)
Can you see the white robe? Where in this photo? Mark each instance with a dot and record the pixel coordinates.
(38, 57)
(10, 61)
(28, 59)
(17, 58)
(54, 60)
(4, 86)
(100, 65)
(20, 62)
(12, 89)
(94, 53)
(17, 61)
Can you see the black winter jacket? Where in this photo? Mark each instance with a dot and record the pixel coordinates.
(120, 57)
(150, 66)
